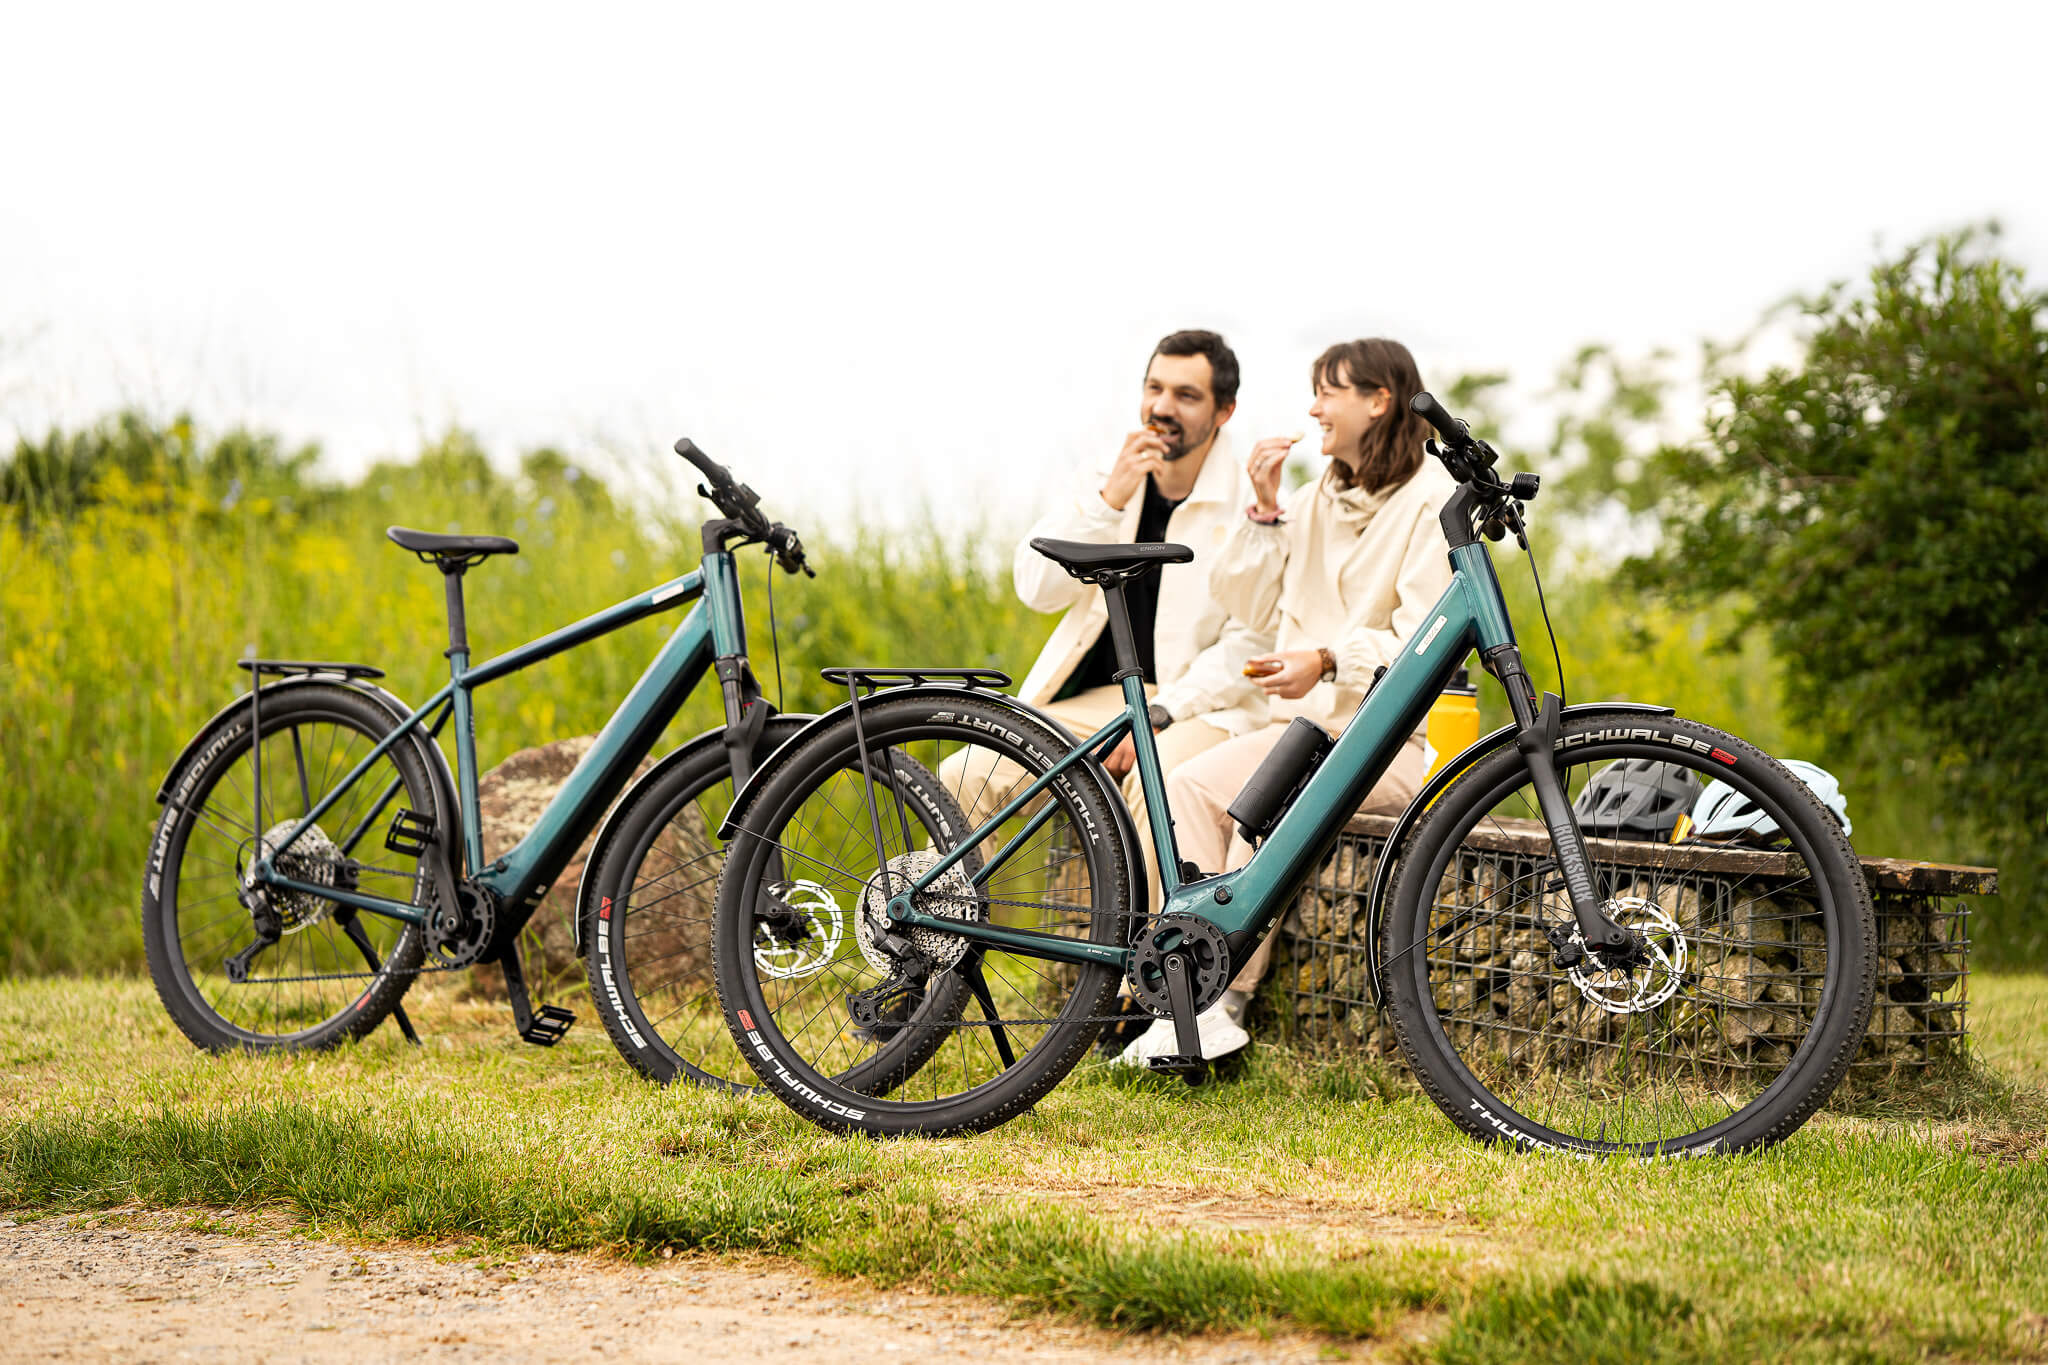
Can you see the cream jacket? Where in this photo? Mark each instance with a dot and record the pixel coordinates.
(1344, 569)
(1198, 651)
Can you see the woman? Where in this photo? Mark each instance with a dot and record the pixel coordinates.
(1343, 576)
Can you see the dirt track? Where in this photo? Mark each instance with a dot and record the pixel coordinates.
(144, 1287)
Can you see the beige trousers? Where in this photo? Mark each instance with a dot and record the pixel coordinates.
(1200, 791)
(981, 793)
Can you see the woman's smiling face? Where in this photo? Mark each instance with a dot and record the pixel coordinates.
(1345, 415)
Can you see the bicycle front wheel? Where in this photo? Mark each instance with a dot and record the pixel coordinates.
(982, 1032)
(1731, 1023)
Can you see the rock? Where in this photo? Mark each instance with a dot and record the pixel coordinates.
(511, 798)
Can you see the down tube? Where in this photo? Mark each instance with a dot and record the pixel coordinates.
(524, 873)
(1363, 753)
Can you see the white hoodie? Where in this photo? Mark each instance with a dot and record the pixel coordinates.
(1351, 571)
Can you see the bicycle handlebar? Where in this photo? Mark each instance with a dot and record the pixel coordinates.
(1455, 432)
(720, 476)
(741, 505)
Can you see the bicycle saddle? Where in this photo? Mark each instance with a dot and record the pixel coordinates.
(1089, 562)
(465, 550)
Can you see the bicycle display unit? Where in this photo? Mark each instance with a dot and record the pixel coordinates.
(991, 934)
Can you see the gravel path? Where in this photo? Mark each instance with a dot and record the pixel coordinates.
(146, 1287)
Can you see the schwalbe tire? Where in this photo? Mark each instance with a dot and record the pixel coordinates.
(817, 1098)
(1834, 1039)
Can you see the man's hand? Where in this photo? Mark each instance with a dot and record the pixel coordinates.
(1268, 458)
(1144, 453)
(1298, 671)
(1122, 758)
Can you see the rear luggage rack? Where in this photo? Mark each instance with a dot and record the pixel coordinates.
(281, 667)
(873, 678)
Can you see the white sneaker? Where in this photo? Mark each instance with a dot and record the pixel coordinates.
(1220, 1036)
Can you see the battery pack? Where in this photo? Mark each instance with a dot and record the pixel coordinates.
(1276, 782)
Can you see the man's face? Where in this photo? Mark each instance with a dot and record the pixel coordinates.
(1179, 403)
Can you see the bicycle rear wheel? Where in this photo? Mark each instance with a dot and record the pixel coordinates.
(990, 1030)
(1753, 981)
(335, 972)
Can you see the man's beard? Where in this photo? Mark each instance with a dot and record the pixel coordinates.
(1177, 442)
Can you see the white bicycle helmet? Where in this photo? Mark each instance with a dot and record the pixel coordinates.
(1724, 813)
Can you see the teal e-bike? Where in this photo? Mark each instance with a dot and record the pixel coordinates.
(969, 883)
(297, 886)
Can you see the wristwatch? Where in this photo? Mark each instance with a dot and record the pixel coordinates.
(1159, 716)
(1329, 662)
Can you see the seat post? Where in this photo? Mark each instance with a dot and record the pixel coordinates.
(458, 623)
(1121, 638)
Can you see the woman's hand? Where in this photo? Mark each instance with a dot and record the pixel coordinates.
(1298, 671)
(1267, 459)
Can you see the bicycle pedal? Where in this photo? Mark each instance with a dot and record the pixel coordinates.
(411, 834)
(1188, 1068)
(547, 1026)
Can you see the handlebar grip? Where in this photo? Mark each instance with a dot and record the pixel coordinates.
(720, 476)
(1425, 406)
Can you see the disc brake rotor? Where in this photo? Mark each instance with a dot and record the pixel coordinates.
(952, 896)
(1643, 985)
(804, 940)
(312, 858)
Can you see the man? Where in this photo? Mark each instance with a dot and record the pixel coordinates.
(1175, 480)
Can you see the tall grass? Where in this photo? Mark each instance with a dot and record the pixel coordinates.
(122, 616)
(139, 562)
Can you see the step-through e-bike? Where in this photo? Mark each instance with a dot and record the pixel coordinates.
(1549, 984)
(296, 887)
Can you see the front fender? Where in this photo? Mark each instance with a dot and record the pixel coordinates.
(1141, 884)
(1383, 875)
(777, 729)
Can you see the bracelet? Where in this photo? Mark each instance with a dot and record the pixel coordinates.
(1329, 663)
(1263, 518)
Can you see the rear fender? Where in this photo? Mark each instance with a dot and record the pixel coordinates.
(777, 729)
(1141, 885)
(1383, 875)
(176, 784)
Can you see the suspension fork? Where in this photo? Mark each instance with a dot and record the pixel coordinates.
(1536, 739)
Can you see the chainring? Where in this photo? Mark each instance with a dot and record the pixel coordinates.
(455, 938)
(1207, 951)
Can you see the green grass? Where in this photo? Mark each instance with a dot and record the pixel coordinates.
(1295, 1196)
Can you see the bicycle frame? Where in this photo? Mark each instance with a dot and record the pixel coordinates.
(714, 629)
(1470, 614)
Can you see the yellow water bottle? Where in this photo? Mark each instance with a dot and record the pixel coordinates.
(1453, 720)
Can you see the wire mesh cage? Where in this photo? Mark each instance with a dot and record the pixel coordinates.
(1750, 938)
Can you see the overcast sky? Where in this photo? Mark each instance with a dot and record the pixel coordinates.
(881, 256)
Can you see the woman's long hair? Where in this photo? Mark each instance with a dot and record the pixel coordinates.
(1392, 448)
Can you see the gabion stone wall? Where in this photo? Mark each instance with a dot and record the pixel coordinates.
(1320, 987)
